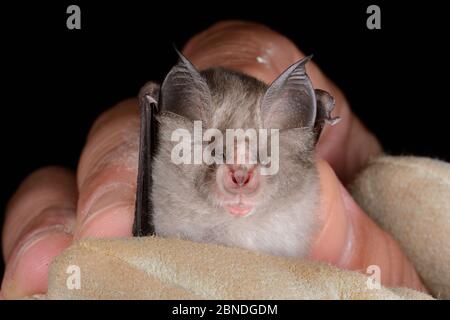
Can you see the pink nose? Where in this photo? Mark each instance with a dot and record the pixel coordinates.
(240, 179)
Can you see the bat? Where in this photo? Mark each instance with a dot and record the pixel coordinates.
(230, 202)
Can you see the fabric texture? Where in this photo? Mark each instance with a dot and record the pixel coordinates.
(407, 196)
(410, 198)
(158, 268)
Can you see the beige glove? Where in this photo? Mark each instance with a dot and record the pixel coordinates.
(408, 196)
(157, 268)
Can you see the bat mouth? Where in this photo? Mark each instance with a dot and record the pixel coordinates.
(240, 209)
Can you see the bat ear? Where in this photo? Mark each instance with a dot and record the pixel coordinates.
(290, 101)
(325, 104)
(184, 91)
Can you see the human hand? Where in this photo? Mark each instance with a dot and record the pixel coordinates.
(53, 207)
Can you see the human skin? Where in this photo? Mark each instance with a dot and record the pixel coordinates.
(55, 207)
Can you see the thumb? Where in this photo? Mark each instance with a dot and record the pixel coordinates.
(350, 240)
(263, 53)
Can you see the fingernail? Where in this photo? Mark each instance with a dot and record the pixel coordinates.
(119, 195)
(26, 271)
(348, 249)
(52, 216)
(333, 243)
(29, 240)
(248, 47)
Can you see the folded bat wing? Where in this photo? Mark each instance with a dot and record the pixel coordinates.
(148, 103)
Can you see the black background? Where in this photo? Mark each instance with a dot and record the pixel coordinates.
(57, 81)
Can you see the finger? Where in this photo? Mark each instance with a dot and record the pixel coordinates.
(107, 174)
(258, 51)
(351, 240)
(38, 226)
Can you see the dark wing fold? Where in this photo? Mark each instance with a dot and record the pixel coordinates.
(148, 103)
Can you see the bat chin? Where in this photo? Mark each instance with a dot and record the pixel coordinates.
(240, 209)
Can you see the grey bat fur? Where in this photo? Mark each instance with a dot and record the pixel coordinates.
(286, 217)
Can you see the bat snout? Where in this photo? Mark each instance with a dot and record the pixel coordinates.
(239, 180)
(240, 177)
